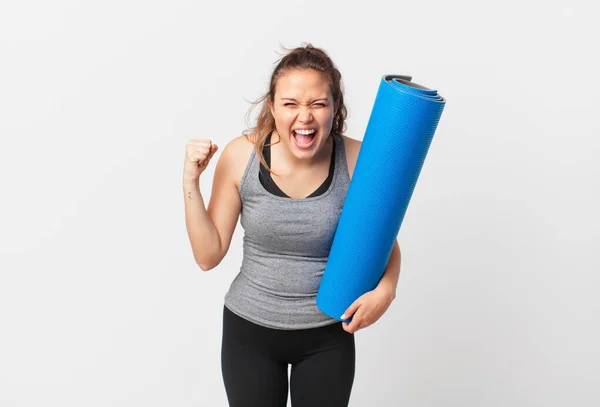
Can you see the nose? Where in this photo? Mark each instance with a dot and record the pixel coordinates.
(305, 114)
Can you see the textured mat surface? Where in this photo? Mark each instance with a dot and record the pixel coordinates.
(403, 121)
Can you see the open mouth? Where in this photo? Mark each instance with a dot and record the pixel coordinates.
(304, 138)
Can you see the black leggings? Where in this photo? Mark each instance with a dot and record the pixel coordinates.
(255, 359)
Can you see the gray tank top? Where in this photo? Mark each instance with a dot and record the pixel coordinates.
(286, 245)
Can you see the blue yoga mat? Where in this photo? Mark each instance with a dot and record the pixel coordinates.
(398, 135)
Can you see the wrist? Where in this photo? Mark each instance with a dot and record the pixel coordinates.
(191, 182)
(386, 289)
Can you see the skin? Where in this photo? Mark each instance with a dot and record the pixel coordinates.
(300, 172)
(303, 99)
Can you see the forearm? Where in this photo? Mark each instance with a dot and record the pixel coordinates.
(203, 235)
(389, 280)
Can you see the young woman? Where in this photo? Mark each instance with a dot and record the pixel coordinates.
(287, 177)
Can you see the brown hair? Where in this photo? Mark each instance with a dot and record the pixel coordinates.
(303, 57)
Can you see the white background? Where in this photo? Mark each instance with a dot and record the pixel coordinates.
(101, 302)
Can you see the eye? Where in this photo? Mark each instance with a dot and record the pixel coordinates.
(320, 104)
(287, 104)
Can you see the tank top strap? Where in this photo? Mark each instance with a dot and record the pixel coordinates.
(250, 182)
(340, 159)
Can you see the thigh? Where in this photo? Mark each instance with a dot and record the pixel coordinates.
(253, 373)
(324, 375)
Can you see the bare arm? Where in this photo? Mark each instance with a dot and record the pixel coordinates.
(203, 235)
(389, 280)
(210, 230)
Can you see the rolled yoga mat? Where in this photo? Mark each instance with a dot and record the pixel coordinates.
(398, 135)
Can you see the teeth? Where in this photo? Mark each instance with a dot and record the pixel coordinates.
(305, 131)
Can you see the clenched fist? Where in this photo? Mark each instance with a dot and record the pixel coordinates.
(198, 153)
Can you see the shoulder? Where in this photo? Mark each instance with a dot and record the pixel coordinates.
(235, 156)
(352, 147)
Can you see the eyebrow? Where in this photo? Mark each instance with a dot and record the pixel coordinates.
(296, 100)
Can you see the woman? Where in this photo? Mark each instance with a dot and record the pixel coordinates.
(288, 177)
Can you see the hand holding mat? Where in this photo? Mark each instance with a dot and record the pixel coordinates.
(398, 135)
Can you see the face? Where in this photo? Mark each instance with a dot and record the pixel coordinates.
(303, 109)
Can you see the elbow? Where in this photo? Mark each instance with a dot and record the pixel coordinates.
(209, 260)
(208, 265)
(204, 267)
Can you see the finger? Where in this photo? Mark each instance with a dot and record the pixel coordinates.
(204, 147)
(357, 319)
(198, 153)
(351, 310)
(198, 141)
(194, 147)
(213, 150)
(351, 327)
(197, 159)
(355, 325)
